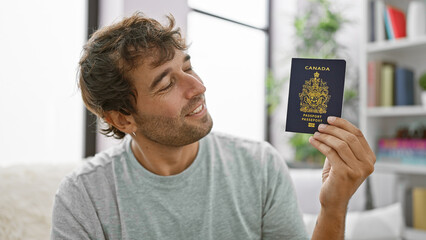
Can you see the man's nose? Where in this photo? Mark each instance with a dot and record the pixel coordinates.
(193, 86)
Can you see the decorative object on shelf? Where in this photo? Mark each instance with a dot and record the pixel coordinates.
(377, 18)
(407, 146)
(422, 83)
(416, 19)
(400, 150)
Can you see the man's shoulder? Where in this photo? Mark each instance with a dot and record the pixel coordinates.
(95, 169)
(103, 160)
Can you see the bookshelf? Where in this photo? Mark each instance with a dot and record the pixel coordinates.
(409, 176)
(382, 122)
(397, 111)
(406, 169)
(403, 44)
(377, 122)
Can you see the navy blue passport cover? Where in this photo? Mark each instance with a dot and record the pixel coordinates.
(316, 92)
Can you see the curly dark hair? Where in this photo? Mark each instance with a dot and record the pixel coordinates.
(112, 52)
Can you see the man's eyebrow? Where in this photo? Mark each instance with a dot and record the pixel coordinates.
(158, 79)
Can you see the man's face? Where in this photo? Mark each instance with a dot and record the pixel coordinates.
(171, 105)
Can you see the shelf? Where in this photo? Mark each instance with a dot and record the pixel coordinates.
(400, 168)
(396, 111)
(396, 44)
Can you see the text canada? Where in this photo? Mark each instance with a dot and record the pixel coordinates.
(317, 68)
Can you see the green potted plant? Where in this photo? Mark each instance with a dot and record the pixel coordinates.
(422, 83)
(305, 155)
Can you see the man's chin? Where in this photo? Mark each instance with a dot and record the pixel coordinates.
(206, 126)
(203, 130)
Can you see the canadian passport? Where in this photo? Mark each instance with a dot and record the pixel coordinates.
(316, 92)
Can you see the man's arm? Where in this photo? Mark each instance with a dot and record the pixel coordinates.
(349, 162)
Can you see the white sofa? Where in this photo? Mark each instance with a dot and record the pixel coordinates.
(27, 194)
(26, 199)
(383, 223)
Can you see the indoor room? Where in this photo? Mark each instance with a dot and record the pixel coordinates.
(225, 119)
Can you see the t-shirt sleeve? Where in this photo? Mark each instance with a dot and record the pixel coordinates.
(74, 216)
(282, 218)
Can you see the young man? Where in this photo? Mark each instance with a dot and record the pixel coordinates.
(173, 179)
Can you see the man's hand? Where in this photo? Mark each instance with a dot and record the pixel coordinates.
(349, 162)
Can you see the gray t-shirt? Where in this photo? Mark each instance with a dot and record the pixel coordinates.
(234, 189)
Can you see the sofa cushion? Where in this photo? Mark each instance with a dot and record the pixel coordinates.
(380, 223)
(308, 183)
(26, 199)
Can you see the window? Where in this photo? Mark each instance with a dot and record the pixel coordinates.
(42, 111)
(229, 50)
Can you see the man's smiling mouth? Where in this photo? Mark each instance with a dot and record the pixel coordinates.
(197, 110)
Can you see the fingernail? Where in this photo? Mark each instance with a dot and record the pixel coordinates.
(331, 119)
(322, 126)
(316, 134)
(311, 139)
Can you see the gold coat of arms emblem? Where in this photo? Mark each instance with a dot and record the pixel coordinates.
(314, 96)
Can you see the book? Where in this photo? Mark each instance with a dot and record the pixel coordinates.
(419, 208)
(378, 80)
(398, 150)
(379, 24)
(387, 85)
(395, 22)
(372, 24)
(316, 92)
(374, 75)
(404, 86)
(371, 82)
(388, 25)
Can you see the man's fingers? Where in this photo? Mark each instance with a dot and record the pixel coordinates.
(344, 124)
(332, 156)
(352, 141)
(342, 148)
(344, 166)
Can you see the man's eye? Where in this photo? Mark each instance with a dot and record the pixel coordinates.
(167, 87)
(188, 69)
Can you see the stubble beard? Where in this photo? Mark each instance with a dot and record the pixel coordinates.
(174, 132)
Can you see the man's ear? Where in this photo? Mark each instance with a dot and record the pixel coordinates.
(124, 123)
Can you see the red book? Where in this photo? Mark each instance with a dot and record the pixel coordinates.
(397, 20)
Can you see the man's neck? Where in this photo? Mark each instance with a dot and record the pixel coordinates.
(163, 160)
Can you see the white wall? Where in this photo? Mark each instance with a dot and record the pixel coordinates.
(114, 10)
(159, 8)
(41, 115)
